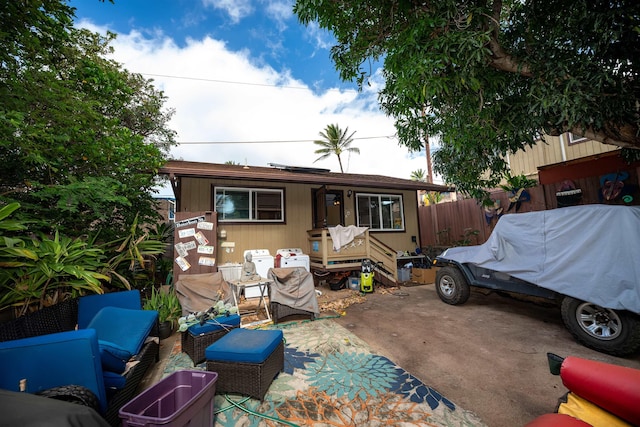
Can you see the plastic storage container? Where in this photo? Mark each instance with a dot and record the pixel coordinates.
(404, 274)
(184, 398)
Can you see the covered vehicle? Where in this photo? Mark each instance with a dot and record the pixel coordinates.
(585, 257)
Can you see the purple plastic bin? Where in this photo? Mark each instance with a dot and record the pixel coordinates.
(184, 398)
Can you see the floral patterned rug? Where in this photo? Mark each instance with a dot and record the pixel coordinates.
(332, 378)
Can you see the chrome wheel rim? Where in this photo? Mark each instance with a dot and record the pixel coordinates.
(598, 322)
(447, 286)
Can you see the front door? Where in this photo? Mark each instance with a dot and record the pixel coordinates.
(328, 207)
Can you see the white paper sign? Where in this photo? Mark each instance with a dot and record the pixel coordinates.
(180, 249)
(187, 232)
(205, 249)
(204, 225)
(207, 261)
(201, 239)
(183, 263)
(190, 245)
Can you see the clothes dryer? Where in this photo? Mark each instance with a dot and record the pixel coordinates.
(292, 257)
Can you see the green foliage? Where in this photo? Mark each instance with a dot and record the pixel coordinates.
(490, 77)
(335, 141)
(131, 261)
(470, 236)
(166, 303)
(418, 175)
(83, 136)
(41, 270)
(434, 197)
(514, 183)
(44, 270)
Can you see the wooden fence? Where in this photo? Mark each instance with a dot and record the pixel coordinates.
(466, 222)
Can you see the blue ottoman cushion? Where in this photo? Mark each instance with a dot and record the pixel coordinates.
(214, 325)
(244, 345)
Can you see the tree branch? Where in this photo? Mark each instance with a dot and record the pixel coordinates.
(501, 59)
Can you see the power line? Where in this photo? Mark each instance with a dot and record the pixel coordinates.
(202, 79)
(271, 142)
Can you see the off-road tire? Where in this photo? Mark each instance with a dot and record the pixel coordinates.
(608, 331)
(451, 285)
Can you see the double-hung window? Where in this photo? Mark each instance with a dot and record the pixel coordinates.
(380, 212)
(234, 204)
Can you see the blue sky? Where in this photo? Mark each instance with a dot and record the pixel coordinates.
(248, 82)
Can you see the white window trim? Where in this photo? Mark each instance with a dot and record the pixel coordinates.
(251, 190)
(576, 140)
(380, 196)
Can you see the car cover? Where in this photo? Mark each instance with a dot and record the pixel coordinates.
(589, 252)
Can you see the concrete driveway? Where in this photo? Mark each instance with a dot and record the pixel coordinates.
(488, 355)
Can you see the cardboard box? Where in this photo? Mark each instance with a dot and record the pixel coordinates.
(424, 276)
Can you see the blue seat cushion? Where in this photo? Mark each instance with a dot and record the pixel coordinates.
(113, 357)
(113, 381)
(213, 325)
(90, 305)
(124, 327)
(244, 345)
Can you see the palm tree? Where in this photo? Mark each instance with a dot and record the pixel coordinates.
(335, 142)
(418, 175)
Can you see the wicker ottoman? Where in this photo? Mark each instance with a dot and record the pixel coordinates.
(246, 361)
(281, 311)
(197, 338)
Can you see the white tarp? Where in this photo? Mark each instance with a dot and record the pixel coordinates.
(589, 252)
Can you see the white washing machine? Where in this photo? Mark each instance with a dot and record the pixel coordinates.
(262, 259)
(292, 257)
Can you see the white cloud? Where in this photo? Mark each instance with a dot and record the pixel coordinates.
(236, 9)
(218, 105)
(320, 37)
(280, 12)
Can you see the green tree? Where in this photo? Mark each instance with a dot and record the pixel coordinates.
(491, 76)
(84, 137)
(418, 175)
(335, 141)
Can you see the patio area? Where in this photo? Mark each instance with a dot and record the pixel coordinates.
(488, 356)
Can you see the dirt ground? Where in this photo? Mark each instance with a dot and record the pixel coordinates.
(487, 356)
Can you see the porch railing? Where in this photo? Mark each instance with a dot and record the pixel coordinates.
(322, 255)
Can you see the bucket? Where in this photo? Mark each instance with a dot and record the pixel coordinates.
(555, 362)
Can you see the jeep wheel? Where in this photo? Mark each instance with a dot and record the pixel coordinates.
(602, 329)
(451, 285)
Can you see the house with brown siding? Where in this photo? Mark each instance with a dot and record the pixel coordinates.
(284, 206)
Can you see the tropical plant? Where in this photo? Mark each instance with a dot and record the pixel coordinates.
(165, 301)
(514, 183)
(131, 258)
(434, 197)
(335, 141)
(490, 77)
(41, 271)
(418, 175)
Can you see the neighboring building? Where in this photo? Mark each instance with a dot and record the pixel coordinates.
(277, 207)
(554, 150)
(166, 207)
